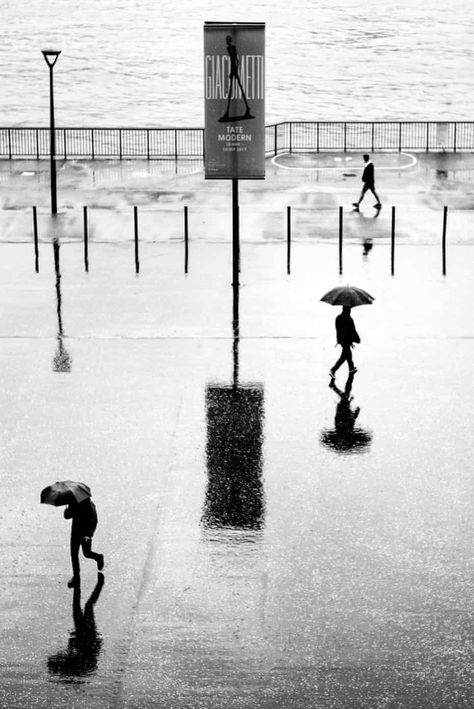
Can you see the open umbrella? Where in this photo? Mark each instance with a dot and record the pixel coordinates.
(350, 296)
(64, 492)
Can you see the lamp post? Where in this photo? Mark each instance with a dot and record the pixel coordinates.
(51, 57)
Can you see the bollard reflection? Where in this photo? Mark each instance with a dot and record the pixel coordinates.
(346, 437)
(80, 658)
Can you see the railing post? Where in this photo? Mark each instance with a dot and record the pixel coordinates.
(288, 240)
(345, 137)
(340, 240)
(86, 239)
(373, 138)
(400, 137)
(392, 255)
(455, 137)
(427, 136)
(291, 136)
(9, 133)
(186, 241)
(175, 144)
(37, 144)
(120, 143)
(92, 144)
(275, 142)
(135, 224)
(317, 137)
(445, 223)
(148, 143)
(35, 238)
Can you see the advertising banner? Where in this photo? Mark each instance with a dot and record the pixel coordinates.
(234, 98)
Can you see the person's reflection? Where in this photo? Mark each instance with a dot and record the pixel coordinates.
(367, 246)
(346, 437)
(62, 360)
(82, 653)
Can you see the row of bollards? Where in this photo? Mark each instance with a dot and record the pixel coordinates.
(341, 234)
(186, 240)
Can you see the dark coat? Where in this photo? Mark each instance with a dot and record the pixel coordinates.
(368, 176)
(84, 517)
(345, 330)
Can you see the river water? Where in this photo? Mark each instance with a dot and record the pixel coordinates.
(141, 63)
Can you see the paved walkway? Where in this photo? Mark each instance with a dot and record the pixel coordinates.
(343, 575)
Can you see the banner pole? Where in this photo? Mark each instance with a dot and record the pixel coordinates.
(235, 232)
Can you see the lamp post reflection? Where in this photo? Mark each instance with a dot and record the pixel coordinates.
(234, 414)
(62, 360)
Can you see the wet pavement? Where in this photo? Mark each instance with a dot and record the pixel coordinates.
(270, 541)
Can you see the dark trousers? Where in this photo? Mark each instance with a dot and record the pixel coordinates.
(346, 356)
(78, 540)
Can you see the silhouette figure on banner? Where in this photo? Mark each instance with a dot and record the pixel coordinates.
(80, 658)
(346, 437)
(234, 77)
(62, 361)
(347, 335)
(368, 180)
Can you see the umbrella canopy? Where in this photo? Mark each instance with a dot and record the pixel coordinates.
(350, 296)
(64, 492)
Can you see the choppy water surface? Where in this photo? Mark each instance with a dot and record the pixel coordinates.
(140, 63)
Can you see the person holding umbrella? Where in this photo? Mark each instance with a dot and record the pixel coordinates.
(82, 511)
(347, 335)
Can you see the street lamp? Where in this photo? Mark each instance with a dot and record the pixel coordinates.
(51, 57)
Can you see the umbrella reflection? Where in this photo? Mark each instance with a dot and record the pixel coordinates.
(62, 360)
(346, 437)
(81, 655)
(234, 414)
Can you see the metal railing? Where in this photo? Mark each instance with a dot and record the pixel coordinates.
(295, 136)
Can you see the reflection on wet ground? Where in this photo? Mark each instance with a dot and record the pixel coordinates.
(346, 437)
(82, 653)
(234, 494)
(266, 547)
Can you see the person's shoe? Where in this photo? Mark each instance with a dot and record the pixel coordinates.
(332, 375)
(100, 563)
(355, 204)
(353, 370)
(378, 205)
(72, 583)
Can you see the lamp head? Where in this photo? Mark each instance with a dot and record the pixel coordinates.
(51, 56)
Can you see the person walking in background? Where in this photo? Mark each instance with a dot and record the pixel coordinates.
(84, 523)
(368, 180)
(346, 337)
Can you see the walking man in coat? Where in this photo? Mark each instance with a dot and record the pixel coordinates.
(84, 523)
(368, 180)
(346, 337)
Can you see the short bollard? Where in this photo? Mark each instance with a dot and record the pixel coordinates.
(35, 238)
(340, 240)
(445, 225)
(392, 250)
(135, 226)
(86, 239)
(186, 241)
(288, 240)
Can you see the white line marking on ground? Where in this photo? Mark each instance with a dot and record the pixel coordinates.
(412, 163)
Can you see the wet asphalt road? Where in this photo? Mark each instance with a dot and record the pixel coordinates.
(259, 552)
